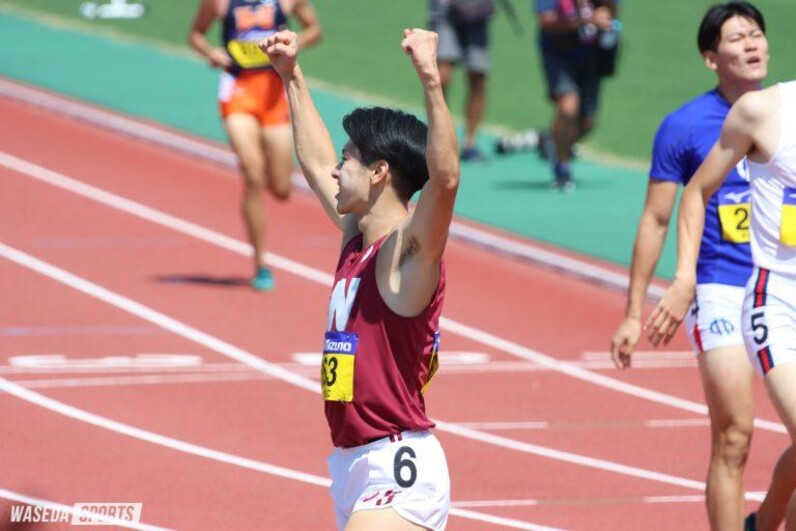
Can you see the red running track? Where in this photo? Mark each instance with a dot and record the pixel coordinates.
(528, 445)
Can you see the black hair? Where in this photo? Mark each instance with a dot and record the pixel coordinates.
(396, 137)
(709, 33)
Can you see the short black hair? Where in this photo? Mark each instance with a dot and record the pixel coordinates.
(709, 33)
(396, 137)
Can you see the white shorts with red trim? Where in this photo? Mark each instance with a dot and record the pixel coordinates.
(407, 472)
(714, 319)
(769, 319)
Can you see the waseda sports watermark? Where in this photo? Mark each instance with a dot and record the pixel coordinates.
(79, 514)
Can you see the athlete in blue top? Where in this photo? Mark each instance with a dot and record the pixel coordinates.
(733, 44)
(683, 141)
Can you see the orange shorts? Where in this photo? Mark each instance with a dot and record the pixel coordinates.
(259, 93)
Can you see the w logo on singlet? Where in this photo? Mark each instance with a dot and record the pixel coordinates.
(341, 303)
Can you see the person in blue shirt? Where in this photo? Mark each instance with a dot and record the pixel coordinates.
(571, 33)
(733, 44)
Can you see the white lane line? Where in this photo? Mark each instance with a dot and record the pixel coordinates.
(544, 425)
(497, 503)
(29, 500)
(56, 179)
(155, 438)
(153, 379)
(507, 522)
(590, 376)
(497, 426)
(674, 499)
(215, 455)
(242, 373)
(647, 355)
(697, 498)
(143, 360)
(509, 367)
(226, 349)
(678, 423)
(580, 501)
(60, 371)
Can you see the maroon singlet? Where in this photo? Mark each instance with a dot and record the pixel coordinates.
(376, 362)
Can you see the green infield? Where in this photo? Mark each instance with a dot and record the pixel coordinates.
(660, 67)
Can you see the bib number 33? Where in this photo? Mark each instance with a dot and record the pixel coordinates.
(337, 366)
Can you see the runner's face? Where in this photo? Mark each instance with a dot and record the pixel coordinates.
(742, 53)
(353, 181)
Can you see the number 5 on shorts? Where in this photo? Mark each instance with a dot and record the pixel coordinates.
(760, 328)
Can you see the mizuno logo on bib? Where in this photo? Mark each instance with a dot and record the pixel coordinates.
(787, 230)
(734, 213)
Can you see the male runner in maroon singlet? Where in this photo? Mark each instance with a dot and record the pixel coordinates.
(388, 470)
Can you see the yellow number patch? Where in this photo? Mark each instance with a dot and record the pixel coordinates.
(247, 54)
(735, 222)
(787, 230)
(337, 366)
(337, 377)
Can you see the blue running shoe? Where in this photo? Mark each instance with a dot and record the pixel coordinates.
(563, 178)
(263, 280)
(472, 154)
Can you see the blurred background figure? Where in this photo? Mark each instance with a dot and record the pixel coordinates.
(252, 101)
(578, 41)
(463, 28)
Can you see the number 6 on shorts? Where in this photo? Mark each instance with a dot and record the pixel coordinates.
(402, 464)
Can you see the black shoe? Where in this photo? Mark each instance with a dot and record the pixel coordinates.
(750, 524)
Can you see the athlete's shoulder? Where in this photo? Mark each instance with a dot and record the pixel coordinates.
(704, 111)
(217, 7)
(758, 104)
(695, 110)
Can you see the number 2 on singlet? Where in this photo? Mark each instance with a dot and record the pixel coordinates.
(735, 222)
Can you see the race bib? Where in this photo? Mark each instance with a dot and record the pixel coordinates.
(337, 367)
(247, 54)
(787, 230)
(734, 214)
